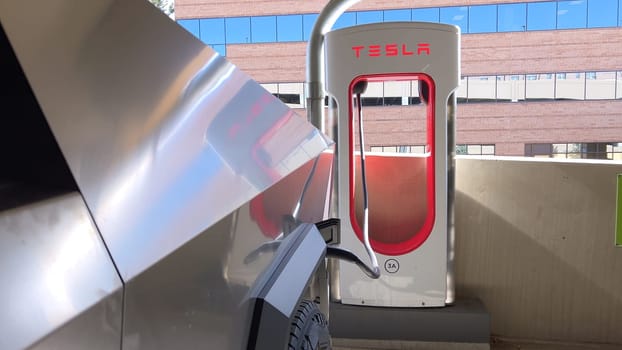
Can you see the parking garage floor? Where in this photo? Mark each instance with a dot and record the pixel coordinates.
(495, 344)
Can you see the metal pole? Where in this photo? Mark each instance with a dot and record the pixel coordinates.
(315, 63)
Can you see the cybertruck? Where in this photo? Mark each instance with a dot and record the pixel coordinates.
(152, 196)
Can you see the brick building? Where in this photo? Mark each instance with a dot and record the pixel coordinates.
(539, 78)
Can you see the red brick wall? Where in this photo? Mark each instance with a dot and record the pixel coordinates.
(482, 54)
(230, 8)
(508, 125)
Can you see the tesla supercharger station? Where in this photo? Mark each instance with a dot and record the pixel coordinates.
(410, 194)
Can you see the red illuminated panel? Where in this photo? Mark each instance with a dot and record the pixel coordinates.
(401, 188)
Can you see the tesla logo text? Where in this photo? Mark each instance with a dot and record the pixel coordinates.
(390, 50)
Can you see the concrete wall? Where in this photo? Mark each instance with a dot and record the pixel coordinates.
(535, 242)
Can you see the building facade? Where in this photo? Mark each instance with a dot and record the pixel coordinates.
(539, 78)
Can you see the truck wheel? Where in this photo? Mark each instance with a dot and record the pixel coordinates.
(309, 329)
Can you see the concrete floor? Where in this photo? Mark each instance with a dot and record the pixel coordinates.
(496, 344)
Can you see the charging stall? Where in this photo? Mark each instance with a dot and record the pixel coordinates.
(404, 197)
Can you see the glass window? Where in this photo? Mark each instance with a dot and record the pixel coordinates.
(307, 25)
(272, 88)
(541, 87)
(538, 150)
(571, 88)
(455, 15)
(572, 14)
(560, 148)
(461, 149)
(238, 30)
(619, 85)
(421, 149)
(364, 17)
(602, 13)
(397, 15)
(397, 92)
(191, 25)
(461, 92)
(426, 15)
(263, 29)
(474, 149)
(482, 89)
(541, 15)
(212, 30)
(512, 17)
(347, 19)
(220, 48)
(289, 28)
(374, 89)
(511, 87)
(488, 150)
(292, 94)
(483, 19)
(600, 85)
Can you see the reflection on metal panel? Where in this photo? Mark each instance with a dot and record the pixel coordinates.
(98, 328)
(53, 266)
(196, 296)
(157, 129)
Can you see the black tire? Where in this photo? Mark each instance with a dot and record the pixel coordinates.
(309, 329)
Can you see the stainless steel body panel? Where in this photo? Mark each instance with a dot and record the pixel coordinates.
(198, 295)
(98, 328)
(54, 266)
(189, 169)
(156, 128)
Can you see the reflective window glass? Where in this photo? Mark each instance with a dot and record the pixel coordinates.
(541, 15)
(461, 92)
(397, 92)
(220, 48)
(488, 150)
(191, 25)
(263, 29)
(364, 17)
(483, 19)
(308, 21)
(426, 15)
(619, 85)
(540, 87)
(347, 19)
(455, 15)
(482, 89)
(602, 13)
(397, 15)
(238, 30)
(289, 28)
(474, 149)
(272, 88)
(570, 88)
(212, 30)
(291, 94)
(512, 17)
(600, 85)
(572, 14)
(511, 87)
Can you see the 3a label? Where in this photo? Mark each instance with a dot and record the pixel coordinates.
(391, 265)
